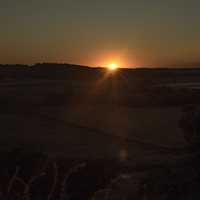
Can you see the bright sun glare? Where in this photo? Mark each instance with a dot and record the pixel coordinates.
(113, 66)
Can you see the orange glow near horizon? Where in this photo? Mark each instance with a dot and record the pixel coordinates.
(111, 59)
(113, 66)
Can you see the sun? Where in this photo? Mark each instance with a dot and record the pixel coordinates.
(113, 66)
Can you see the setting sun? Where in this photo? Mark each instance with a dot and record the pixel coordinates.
(113, 66)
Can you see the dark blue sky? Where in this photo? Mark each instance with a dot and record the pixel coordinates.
(90, 32)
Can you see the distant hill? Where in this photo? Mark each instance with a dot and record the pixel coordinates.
(58, 71)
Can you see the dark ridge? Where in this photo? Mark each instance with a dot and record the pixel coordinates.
(83, 74)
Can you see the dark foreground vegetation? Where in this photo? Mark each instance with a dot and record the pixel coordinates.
(34, 175)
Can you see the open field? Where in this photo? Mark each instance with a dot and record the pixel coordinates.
(91, 113)
(105, 132)
(124, 125)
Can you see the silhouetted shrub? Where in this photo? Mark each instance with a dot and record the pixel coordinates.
(190, 125)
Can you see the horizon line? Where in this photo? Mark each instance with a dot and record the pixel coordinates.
(187, 66)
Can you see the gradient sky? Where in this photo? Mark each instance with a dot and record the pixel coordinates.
(90, 32)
